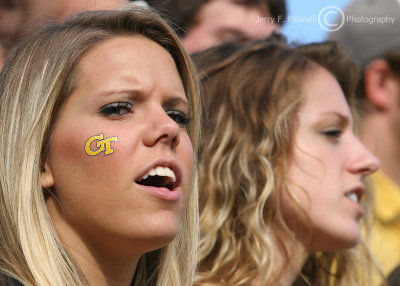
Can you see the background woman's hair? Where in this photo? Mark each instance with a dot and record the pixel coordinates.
(35, 82)
(251, 97)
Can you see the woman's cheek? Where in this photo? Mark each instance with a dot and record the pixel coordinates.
(106, 155)
(186, 156)
(99, 144)
(86, 153)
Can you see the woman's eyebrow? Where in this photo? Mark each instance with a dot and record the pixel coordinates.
(118, 91)
(176, 101)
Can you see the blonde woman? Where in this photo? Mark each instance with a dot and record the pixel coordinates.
(99, 128)
(281, 171)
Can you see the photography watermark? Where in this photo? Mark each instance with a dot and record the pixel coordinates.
(325, 16)
(330, 19)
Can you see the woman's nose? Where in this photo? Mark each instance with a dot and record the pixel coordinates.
(161, 129)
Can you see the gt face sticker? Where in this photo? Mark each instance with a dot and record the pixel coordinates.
(103, 145)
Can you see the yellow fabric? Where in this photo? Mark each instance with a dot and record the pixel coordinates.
(385, 236)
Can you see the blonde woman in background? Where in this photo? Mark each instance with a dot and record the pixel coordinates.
(281, 171)
(77, 210)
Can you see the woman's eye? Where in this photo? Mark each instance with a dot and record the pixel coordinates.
(179, 117)
(116, 109)
(333, 133)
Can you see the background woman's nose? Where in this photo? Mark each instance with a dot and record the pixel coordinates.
(364, 162)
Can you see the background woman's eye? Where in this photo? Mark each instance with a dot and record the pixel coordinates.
(333, 133)
(179, 117)
(116, 109)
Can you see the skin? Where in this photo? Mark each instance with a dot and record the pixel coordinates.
(328, 162)
(105, 219)
(219, 21)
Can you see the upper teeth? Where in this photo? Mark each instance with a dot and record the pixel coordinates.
(353, 197)
(161, 171)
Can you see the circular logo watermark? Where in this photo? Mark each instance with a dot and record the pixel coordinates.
(326, 15)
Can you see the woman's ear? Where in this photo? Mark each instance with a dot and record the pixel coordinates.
(46, 177)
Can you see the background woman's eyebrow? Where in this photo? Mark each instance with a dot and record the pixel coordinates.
(343, 120)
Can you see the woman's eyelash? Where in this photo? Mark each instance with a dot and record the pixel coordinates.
(116, 109)
(119, 109)
(179, 117)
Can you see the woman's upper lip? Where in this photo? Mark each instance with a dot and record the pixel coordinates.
(358, 190)
(170, 163)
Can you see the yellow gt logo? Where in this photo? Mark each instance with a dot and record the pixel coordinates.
(102, 145)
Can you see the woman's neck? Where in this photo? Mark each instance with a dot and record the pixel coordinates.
(285, 268)
(101, 271)
(291, 265)
(100, 267)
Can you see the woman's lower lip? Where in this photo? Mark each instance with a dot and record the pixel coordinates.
(358, 207)
(164, 193)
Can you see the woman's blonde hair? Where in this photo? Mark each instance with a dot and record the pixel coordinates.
(34, 84)
(252, 94)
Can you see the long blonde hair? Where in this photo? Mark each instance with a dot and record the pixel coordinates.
(251, 97)
(34, 84)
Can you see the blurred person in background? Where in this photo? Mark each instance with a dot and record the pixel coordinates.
(376, 47)
(205, 23)
(19, 18)
(200, 23)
